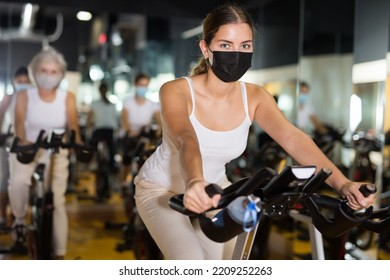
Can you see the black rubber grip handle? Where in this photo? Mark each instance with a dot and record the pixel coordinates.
(367, 189)
(213, 189)
(317, 181)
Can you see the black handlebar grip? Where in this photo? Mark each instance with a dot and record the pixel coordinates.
(14, 144)
(317, 181)
(213, 189)
(367, 189)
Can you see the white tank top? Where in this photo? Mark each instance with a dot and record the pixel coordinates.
(140, 115)
(217, 149)
(104, 114)
(44, 115)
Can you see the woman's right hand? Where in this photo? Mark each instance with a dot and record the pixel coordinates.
(24, 142)
(196, 199)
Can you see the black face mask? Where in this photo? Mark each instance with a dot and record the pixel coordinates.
(230, 66)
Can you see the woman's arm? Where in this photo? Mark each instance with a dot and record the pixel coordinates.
(5, 102)
(175, 116)
(20, 116)
(90, 118)
(157, 119)
(318, 125)
(302, 148)
(72, 116)
(124, 123)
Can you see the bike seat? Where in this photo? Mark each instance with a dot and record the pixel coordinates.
(84, 153)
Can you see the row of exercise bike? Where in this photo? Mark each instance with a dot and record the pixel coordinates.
(359, 228)
(273, 195)
(269, 154)
(39, 233)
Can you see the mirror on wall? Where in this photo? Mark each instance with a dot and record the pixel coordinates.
(325, 65)
(344, 63)
(384, 199)
(370, 73)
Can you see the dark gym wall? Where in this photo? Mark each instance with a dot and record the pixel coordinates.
(278, 34)
(371, 30)
(15, 54)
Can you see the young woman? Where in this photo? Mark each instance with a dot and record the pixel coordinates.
(206, 118)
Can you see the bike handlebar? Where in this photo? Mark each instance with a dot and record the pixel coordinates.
(242, 187)
(279, 193)
(26, 153)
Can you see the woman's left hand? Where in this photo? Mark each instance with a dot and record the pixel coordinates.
(356, 200)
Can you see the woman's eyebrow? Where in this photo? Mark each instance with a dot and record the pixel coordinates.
(230, 42)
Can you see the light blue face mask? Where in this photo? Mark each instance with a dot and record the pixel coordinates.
(141, 91)
(303, 98)
(20, 87)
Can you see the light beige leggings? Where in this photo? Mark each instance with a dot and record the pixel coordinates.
(178, 237)
(19, 187)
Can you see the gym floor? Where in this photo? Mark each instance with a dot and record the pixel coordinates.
(91, 239)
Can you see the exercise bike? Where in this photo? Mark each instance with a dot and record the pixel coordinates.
(135, 235)
(104, 166)
(245, 203)
(40, 231)
(4, 142)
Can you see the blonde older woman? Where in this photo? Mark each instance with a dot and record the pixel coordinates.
(45, 106)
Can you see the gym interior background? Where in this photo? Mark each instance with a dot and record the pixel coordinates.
(340, 47)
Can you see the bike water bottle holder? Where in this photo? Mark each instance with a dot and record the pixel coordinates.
(232, 220)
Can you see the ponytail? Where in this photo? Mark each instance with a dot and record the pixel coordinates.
(200, 68)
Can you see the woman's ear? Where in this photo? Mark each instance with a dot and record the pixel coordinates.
(203, 48)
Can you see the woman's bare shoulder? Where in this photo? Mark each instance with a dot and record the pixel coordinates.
(174, 87)
(174, 84)
(256, 91)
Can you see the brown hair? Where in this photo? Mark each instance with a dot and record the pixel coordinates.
(224, 14)
(141, 76)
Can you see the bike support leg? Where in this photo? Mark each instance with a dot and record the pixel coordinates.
(317, 246)
(244, 243)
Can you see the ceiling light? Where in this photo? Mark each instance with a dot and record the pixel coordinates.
(84, 16)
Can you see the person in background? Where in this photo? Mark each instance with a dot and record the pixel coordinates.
(43, 107)
(103, 119)
(307, 118)
(21, 81)
(206, 119)
(138, 113)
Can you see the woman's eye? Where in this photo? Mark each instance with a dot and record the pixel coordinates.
(247, 46)
(225, 46)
